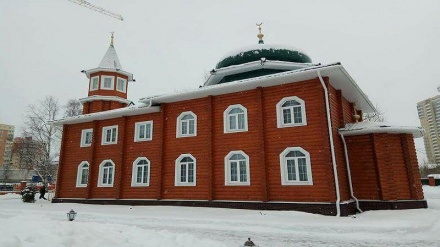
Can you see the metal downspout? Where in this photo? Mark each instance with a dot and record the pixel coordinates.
(332, 146)
(349, 174)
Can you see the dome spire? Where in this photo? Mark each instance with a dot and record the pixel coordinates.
(111, 38)
(260, 35)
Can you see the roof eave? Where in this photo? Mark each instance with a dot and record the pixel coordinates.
(91, 71)
(121, 112)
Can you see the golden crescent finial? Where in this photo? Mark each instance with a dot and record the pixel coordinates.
(260, 35)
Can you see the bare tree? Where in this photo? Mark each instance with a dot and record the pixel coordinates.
(377, 116)
(73, 108)
(6, 172)
(40, 138)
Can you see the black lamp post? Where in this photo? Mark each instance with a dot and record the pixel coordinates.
(71, 215)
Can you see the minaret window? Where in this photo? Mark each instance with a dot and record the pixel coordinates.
(121, 85)
(107, 82)
(94, 83)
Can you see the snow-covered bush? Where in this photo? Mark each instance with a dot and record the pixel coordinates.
(28, 194)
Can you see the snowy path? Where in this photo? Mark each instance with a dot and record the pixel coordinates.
(45, 224)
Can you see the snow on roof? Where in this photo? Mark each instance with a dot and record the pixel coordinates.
(434, 176)
(366, 127)
(244, 49)
(126, 111)
(110, 60)
(220, 73)
(108, 98)
(339, 79)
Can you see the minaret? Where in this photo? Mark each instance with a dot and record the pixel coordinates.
(108, 84)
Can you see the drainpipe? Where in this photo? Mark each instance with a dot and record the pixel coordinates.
(349, 174)
(332, 146)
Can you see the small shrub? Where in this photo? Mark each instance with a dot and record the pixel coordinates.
(28, 194)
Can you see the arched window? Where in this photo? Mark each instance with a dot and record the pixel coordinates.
(237, 168)
(185, 170)
(186, 124)
(106, 174)
(295, 167)
(82, 176)
(235, 119)
(141, 172)
(291, 111)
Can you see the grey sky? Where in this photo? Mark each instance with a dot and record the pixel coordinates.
(390, 48)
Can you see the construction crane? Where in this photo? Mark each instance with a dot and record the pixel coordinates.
(97, 9)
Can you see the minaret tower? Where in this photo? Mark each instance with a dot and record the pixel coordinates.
(108, 84)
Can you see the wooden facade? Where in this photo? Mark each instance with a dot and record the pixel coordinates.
(383, 166)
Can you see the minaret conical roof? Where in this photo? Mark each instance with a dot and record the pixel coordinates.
(110, 60)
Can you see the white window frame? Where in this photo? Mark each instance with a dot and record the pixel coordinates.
(177, 181)
(125, 84)
(280, 116)
(103, 82)
(179, 124)
(80, 173)
(137, 131)
(283, 167)
(134, 182)
(226, 119)
(228, 181)
(101, 174)
(104, 135)
(84, 133)
(92, 88)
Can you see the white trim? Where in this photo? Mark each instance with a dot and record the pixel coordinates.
(226, 123)
(332, 144)
(177, 181)
(362, 128)
(83, 138)
(80, 172)
(91, 83)
(104, 135)
(101, 174)
(283, 167)
(125, 84)
(106, 98)
(134, 182)
(112, 87)
(179, 124)
(120, 71)
(280, 115)
(136, 131)
(228, 181)
(126, 111)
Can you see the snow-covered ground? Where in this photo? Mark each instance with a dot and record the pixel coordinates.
(45, 224)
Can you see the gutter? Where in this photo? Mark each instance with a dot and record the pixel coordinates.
(349, 174)
(332, 146)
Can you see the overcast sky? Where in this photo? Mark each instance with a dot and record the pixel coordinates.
(391, 48)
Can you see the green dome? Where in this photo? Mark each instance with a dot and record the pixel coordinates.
(270, 52)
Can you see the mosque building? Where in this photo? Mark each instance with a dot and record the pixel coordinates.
(269, 130)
